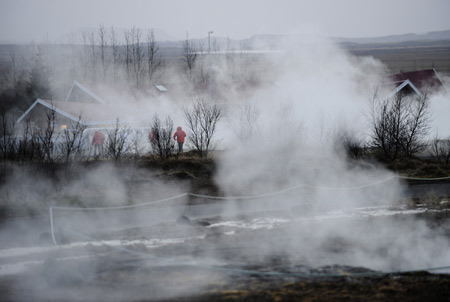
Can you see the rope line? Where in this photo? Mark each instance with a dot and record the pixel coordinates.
(252, 196)
(254, 272)
(51, 208)
(122, 207)
(291, 189)
(422, 178)
(227, 197)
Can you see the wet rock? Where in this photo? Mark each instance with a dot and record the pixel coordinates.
(184, 220)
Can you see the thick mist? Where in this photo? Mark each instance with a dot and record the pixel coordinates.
(289, 140)
(279, 156)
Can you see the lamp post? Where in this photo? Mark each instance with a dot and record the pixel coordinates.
(209, 64)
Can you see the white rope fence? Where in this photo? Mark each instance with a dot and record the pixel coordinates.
(186, 194)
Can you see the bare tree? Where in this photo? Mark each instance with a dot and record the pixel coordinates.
(93, 55)
(116, 143)
(25, 142)
(8, 146)
(73, 62)
(348, 141)
(440, 150)
(161, 137)
(15, 71)
(202, 119)
(28, 145)
(14, 80)
(128, 55)
(137, 55)
(134, 55)
(188, 58)
(399, 125)
(85, 55)
(38, 84)
(48, 136)
(385, 129)
(200, 68)
(136, 143)
(248, 114)
(73, 138)
(16, 75)
(284, 117)
(154, 61)
(417, 125)
(104, 60)
(115, 53)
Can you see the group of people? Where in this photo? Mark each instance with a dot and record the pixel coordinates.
(99, 138)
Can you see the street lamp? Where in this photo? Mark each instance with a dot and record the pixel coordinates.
(209, 64)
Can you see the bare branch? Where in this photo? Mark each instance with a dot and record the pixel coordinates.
(202, 120)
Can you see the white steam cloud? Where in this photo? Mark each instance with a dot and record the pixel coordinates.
(321, 92)
(279, 137)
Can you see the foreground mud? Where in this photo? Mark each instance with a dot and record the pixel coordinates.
(408, 287)
(125, 283)
(223, 259)
(279, 253)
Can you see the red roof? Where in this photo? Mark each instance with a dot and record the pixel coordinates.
(422, 79)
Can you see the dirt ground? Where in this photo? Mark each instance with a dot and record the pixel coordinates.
(420, 286)
(232, 273)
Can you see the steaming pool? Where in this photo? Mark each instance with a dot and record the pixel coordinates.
(162, 254)
(310, 240)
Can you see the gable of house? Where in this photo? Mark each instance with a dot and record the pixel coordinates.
(88, 114)
(38, 112)
(405, 88)
(80, 105)
(81, 94)
(421, 81)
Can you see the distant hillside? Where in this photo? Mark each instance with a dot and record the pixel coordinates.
(170, 48)
(431, 36)
(435, 38)
(265, 41)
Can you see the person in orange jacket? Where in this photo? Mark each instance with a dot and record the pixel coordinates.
(179, 136)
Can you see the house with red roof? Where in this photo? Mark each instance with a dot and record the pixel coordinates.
(419, 82)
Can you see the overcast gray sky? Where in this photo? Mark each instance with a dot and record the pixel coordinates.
(26, 20)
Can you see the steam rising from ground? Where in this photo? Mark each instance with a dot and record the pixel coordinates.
(290, 129)
(281, 136)
(321, 93)
(440, 108)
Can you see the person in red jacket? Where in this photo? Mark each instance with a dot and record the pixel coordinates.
(153, 137)
(179, 136)
(97, 141)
